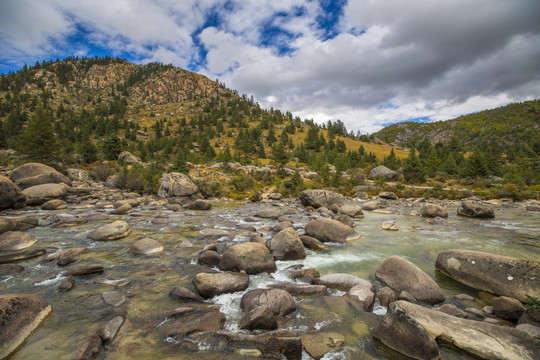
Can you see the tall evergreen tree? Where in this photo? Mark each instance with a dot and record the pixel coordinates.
(280, 155)
(180, 163)
(112, 147)
(38, 139)
(412, 168)
(3, 143)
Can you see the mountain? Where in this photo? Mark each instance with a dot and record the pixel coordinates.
(507, 126)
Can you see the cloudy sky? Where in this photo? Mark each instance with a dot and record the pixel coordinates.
(366, 62)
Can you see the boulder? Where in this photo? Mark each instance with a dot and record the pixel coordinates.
(78, 175)
(387, 296)
(354, 211)
(62, 254)
(114, 298)
(260, 318)
(275, 196)
(331, 231)
(129, 158)
(146, 246)
(320, 198)
(433, 210)
(108, 331)
(507, 308)
(17, 224)
(85, 270)
(12, 256)
(364, 294)
(16, 240)
(343, 282)
(383, 171)
(370, 205)
(475, 210)
(209, 258)
(39, 194)
(11, 196)
(67, 283)
(251, 257)
(279, 301)
(113, 231)
(210, 285)
(54, 204)
(497, 274)
(113, 282)
(176, 184)
(402, 333)
(184, 326)
(344, 219)
(286, 245)
(199, 204)
(213, 233)
(32, 174)
(273, 214)
(122, 209)
(319, 344)
(477, 338)
(184, 294)
(301, 289)
(400, 274)
(312, 243)
(20, 315)
(388, 195)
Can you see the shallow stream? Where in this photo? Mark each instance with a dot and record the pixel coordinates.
(81, 311)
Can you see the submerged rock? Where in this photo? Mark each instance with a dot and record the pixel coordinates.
(184, 294)
(10, 269)
(343, 282)
(402, 275)
(114, 298)
(85, 270)
(319, 344)
(20, 315)
(67, 283)
(12, 256)
(500, 275)
(260, 318)
(146, 246)
(190, 324)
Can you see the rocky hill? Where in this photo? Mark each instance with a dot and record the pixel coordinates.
(512, 124)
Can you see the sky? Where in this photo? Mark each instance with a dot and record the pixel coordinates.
(369, 63)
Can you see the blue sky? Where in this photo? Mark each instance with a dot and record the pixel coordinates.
(368, 63)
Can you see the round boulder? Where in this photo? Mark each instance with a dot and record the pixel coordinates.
(54, 204)
(16, 240)
(364, 294)
(390, 225)
(475, 210)
(320, 198)
(176, 184)
(286, 245)
(400, 274)
(383, 171)
(251, 257)
(260, 318)
(210, 285)
(11, 196)
(39, 194)
(129, 158)
(279, 301)
(433, 211)
(331, 231)
(32, 174)
(354, 211)
(116, 230)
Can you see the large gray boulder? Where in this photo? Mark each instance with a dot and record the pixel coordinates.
(210, 284)
(11, 196)
(176, 184)
(251, 257)
(146, 246)
(20, 315)
(40, 194)
(113, 231)
(279, 301)
(286, 245)
(343, 282)
(16, 240)
(329, 230)
(475, 210)
(354, 211)
(321, 198)
(497, 274)
(32, 174)
(402, 275)
(477, 338)
(383, 171)
(129, 158)
(433, 210)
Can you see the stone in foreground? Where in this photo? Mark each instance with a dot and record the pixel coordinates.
(20, 315)
(500, 275)
(113, 231)
(321, 198)
(402, 275)
(251, 257)
(210, 285)
(475, 210)
(328, 230)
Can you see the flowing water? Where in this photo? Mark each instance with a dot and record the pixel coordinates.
(81, 311)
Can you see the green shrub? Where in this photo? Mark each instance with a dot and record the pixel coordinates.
(242, 183)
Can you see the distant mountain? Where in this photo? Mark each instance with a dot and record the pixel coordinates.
(513, 124)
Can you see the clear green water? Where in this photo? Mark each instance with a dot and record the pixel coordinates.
(79, 312)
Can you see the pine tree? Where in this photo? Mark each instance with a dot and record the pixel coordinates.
(475, 165)
(88, 151)
(412, 168)
(112, 147)
(280, 155)
(432, 163)
(38, 139)
(3, 143)
(449, 165)
(391, 161)
(179, 164)
(271, 138)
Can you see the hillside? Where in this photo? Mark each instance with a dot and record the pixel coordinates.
(154, 109)
(509, 125)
